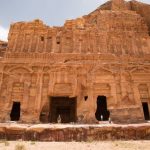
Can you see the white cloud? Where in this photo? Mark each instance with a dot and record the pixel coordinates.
(3, 33)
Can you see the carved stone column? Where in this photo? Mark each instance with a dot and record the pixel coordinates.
(1, 79)
(8, 105)
(23, 43)
(149, 91)
(123, 89)
(51, 84)
(53, 44)
(15, 43)
(45, 44)
(24, 104)
(26, 96)
(75, 84)
(113, 92)
(39, 94)
(30, 43)
(38, 99)
(136, 94)
(37, 45)
(91, 102)
(118, 89)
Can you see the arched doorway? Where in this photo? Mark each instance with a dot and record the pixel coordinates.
(102, 113)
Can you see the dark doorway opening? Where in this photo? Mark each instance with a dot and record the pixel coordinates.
(15, 112)
(146, 110)
(85, 98)
(102, 114)
(63, 106)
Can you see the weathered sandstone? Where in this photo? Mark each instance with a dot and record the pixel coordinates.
(75, 132)
(93, 68)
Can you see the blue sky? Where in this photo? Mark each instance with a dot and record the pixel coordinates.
(52, 12)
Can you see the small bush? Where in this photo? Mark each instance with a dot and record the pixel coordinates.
(2, 141)
(32, 142)
(6, 143)
(20, 147)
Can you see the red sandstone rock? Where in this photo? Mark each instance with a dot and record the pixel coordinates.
(3, 46)
(105, 53)
(76, 132)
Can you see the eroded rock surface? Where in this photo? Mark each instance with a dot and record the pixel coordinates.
(93, 68)
(3, 46)
(75, 132)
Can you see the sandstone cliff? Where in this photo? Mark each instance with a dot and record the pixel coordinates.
(141, 8)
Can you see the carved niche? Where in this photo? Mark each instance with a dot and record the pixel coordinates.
(17, 91)
(143, 90)
(63, 89)
(102, 89)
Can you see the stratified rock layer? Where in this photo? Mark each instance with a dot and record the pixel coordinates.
(79, 133)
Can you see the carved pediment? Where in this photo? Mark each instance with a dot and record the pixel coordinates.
(16, 73)
(140, 71)
(19, 70)
(101, 71)
(143, 90)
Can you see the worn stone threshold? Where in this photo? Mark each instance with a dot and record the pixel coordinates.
(74, 132)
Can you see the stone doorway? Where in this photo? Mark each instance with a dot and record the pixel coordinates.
(63, 106)
(15, 112)
(102, 114)
(146, 110)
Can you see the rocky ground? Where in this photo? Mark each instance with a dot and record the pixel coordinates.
(109, 145)
(74, 132)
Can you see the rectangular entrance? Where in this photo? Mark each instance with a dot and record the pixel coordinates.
(63, 106)
(15, 112)
(146, 110)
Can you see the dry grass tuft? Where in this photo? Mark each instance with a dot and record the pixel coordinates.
(20, 146)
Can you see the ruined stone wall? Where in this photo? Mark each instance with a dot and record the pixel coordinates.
(119, 33)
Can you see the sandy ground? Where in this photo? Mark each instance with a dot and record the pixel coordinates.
(50, 125)
(111, 145)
